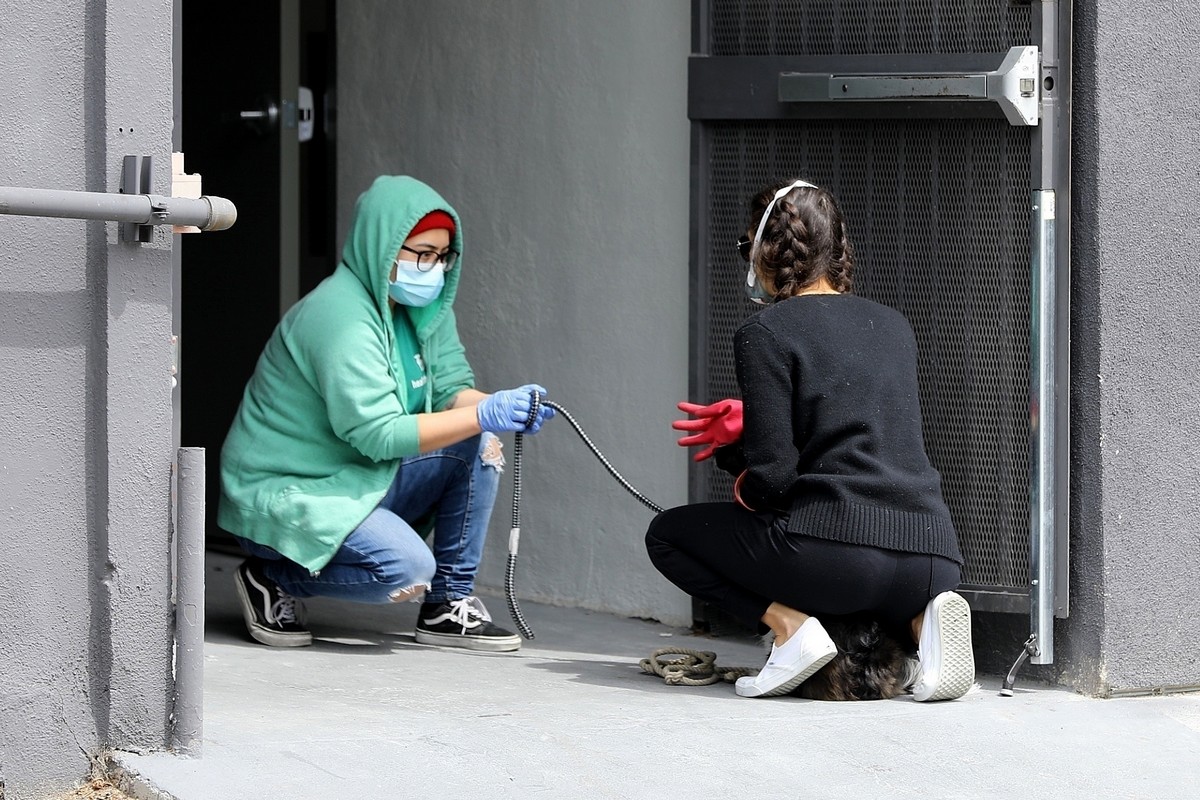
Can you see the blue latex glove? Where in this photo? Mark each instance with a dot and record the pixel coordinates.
(508, 410)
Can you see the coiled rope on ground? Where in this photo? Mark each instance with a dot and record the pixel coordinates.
(679, 666)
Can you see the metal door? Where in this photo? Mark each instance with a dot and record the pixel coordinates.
(942, 128)
(230, 290)
(241, 64)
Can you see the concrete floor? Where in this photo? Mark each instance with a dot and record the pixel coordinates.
(366, 712)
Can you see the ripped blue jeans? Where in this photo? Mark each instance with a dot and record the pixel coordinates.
(385, 559)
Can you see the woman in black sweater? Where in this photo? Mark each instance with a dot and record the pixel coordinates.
(838, 515)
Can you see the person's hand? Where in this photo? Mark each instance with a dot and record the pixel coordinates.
(545, 412)
(507, 411)
(715, 425)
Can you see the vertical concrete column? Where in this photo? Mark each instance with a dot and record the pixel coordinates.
(132, 552)
(1134, 344)
(189, 602)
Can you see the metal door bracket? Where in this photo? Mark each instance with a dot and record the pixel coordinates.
(136, 173)
(1014, 86)
(1030, 648)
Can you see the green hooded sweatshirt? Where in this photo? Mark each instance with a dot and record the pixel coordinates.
(317, 439)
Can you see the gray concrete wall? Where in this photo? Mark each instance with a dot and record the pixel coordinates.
(85, 420)
(558, 128)
(1136, 351)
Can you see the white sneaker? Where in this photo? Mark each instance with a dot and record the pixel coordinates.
(791, 664)
(947, 660)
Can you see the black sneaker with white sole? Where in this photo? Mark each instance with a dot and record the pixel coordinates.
(463, 623)
(271, 614)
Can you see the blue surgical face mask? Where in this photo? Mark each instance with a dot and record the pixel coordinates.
(754, 288)
(415, 288)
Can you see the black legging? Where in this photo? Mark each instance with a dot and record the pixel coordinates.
(741, 561)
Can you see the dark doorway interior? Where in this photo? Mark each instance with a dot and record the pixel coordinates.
(319, 251)
(230, 284)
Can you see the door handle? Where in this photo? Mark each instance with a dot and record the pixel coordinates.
(1013, 86)
(261, 120)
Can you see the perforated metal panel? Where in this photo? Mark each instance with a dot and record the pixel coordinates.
(939, 211)
(855, 27)
(939, 217)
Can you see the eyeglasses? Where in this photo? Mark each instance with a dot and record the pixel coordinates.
(743, 247)
(428, 259)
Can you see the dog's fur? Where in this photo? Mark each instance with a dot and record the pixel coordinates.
(869, 665)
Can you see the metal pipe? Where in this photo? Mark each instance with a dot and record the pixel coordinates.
(1043, 409)
(207, 213)
(189, 602)
(1056, 169)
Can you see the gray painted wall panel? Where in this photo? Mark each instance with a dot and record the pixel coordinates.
(1136, 352)
(559, 130)
(1078, 638)
(45, 331)
(136, 570)
(1149, 158)
(85, 436)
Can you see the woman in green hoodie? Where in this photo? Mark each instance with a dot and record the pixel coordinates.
(360, 423)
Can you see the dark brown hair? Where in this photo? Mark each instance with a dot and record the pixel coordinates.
(804, 239)
(870, 663)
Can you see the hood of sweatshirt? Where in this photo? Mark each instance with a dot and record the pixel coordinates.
(383, 217)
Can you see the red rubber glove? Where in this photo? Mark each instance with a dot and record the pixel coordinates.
(716, 426)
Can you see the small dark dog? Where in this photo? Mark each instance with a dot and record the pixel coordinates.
(871, 663)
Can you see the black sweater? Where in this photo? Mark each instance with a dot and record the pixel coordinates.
(832, 430)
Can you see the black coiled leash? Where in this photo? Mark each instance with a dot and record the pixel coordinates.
(514, 535)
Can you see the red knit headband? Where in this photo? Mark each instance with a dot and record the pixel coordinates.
(432, 221)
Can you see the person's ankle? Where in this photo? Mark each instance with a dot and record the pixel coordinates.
(784, 621)
(915, 627)
(784, 634)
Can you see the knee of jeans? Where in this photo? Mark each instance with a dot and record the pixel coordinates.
(405, 576)
(418, 580)
(409, 592)
(491, 451)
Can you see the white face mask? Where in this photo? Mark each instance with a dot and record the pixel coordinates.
(415, 288)
(754, 288)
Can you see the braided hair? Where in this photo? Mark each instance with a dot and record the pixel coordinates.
(804, 240)
(869, 665)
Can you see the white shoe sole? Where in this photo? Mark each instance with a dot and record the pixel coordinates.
(947, 658)
(258, 632)
(488, 644)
